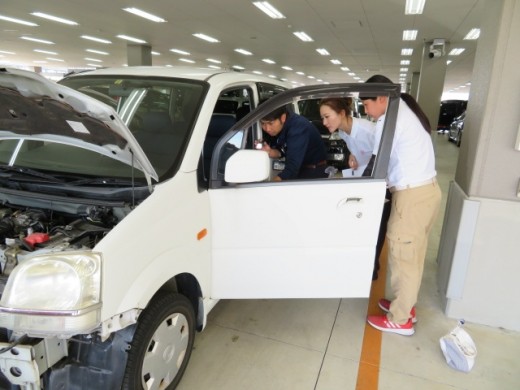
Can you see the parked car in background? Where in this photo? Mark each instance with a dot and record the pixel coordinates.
(131, 202)
(450, 109)
(456, 129)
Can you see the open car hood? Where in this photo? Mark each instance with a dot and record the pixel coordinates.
(32, 107)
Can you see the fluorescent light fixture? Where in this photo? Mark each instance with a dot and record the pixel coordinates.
(92, 59)
(55, 18)
(144, 14)
(103, 53)
(351, 74)
(402, 75)
(336, 62)
(405, 62)
(182, 52)
(456, 51)
(186, 60)
(287, 67)
(356, 78)
(244, 52)
(300, 73)
(345, 68)
(205, 37)
(55, 59)
(131, 39)
(95, 65)
(100, 40)
(403, 70)
(19, 21)
(272, 76)
(8, 52)
(214, 67)
(474, 33)
(414, 7)
(268, 9)
(52, 53)
(238, 67)
(406, 52)
(38, 40)
(213, 60)
(155, 53)
(303, 36)
(257, 72)
(448, 62)
(409, 35)
(311, 77)
(323, 52)
(268, 61)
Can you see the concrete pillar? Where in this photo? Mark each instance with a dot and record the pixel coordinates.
(139, 55)
(414, 85)
(478, 253)
(431, 83)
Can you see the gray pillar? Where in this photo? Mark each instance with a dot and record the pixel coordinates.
(431, 84)
(139, 55)
(478, 253)
(414, 86)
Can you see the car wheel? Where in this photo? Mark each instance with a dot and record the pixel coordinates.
(162, 344)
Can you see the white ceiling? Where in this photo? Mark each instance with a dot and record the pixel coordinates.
(365, 35)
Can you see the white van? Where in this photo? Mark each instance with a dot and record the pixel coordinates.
(132, 200)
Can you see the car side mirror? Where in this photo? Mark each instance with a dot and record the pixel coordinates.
(247, 166)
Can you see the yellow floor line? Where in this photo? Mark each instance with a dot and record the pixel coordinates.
(368, 371)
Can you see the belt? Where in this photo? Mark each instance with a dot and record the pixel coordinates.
(314, 166)
(414, 185)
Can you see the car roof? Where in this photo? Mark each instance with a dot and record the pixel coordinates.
(192, 73)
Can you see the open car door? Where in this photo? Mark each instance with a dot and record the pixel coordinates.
(300, 238)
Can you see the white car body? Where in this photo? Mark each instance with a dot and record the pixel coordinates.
(236, 235)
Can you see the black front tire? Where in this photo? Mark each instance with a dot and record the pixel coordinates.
(162, 344)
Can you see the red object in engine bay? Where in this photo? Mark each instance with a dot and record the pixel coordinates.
(36, 238)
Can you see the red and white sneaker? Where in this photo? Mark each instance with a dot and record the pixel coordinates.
(384, 304)
(385, 325)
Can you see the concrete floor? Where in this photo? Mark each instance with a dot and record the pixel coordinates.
(316, 344)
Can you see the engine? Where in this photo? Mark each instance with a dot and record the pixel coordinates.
(24, 231)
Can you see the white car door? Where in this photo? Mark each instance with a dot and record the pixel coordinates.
(295, 239)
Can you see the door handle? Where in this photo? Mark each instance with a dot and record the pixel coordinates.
(349, 200)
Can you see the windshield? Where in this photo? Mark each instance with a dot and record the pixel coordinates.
(160, 113)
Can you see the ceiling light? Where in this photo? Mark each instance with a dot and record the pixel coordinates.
(311, 77)
(257, 72)
(414, 7)
(55, 18)
(405, 62)
(55, 59)
(244, 52)
(356, 78)
(336, 62)
(206, 37)
(93, 59)
(287, 68)
(214, 67)
(90, 38)
(213, 60)
(402, 75)
(323, 52)
(268, 9)
(19, 21)
(456, 51)
(403, 70)
(95, 65)
(268, 61)
(155, 53)
(345, 69)
(303, 36)
(52, 53)
(351, 74)
(406, 52)
(182, 52)
(409, 35)
(238, 67)
(144, 14)
(272, 76)
(474, 33)
(38, 40)
(300, 73)
(104, 53)
(131, 39)
(448, 62)
(186, 60)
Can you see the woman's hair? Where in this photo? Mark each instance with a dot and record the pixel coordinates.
(338, 104)
(408, 99)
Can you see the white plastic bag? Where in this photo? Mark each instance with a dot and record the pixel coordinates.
(459, 349)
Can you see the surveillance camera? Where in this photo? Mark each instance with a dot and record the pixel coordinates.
(435, 53)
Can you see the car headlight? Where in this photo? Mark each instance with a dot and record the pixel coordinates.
(56, 292)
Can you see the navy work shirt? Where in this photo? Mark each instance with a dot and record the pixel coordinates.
(301, 144)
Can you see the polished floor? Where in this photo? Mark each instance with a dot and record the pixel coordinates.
(321, 344)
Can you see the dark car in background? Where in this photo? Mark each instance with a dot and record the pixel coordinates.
(456, 129)
(450, 109)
